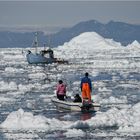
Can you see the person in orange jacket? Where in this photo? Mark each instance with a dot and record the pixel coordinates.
(86, 87)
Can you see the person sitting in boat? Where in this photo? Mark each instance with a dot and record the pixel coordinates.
(61, 90)
(77, 98)
(29, 51)
(86, 88)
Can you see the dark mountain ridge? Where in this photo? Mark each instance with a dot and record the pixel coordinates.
(119, 31)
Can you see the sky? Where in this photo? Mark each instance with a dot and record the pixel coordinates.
(66, 13)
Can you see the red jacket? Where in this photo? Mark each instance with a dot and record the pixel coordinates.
(61, 89)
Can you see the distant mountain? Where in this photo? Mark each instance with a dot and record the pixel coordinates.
(118, 31)
(18, 39)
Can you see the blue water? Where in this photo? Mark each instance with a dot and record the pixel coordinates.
(48, 109)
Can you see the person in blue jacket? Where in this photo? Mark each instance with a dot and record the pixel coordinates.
(86, 87)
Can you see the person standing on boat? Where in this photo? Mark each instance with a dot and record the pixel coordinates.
(86, 87)
(61, 90)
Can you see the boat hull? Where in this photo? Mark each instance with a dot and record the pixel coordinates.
(38, 59)
(71, 106)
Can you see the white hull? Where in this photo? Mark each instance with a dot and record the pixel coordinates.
(38, 59)
(71, 106)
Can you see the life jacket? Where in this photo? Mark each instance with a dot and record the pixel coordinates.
(61, 89)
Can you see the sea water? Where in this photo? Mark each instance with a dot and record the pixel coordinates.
(26, 110)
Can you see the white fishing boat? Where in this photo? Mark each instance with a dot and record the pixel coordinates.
(72, 106)
(43, 56)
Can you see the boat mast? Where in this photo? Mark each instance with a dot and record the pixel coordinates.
(49, 41)
(36, 43)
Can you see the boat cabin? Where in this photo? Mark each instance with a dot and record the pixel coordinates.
(48, 53)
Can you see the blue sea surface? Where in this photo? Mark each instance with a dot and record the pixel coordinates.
(37, 100)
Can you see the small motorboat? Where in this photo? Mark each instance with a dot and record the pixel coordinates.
(69, 105)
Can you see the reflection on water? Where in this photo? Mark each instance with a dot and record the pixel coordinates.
(85, 116)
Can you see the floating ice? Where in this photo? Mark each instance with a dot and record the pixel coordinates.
(13, 70)
(21, 136)
(113, 100)
(134, 45)
(126, 120)
(25, 88)
(79, 125)
(17, 57)
(74, 133)
(6, 100)
(31, 104)
(11, 86)
(133, 124)
(24, 120)
(37, 76)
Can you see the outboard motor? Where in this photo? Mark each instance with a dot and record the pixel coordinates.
(86, 105)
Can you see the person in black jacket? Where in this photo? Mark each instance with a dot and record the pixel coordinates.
(77, 98)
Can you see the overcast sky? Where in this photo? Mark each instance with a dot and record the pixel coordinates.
(67, 13)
